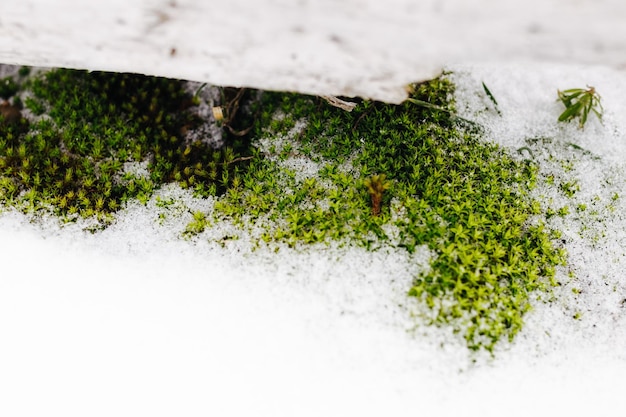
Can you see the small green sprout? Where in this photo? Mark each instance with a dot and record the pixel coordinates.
(492, 98)
(196, 97)
(579, 103)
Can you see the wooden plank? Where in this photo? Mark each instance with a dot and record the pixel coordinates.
(368, 48)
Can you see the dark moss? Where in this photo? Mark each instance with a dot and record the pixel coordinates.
(74, 162)
(8, 87)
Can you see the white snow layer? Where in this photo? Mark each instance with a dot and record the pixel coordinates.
(135, 321)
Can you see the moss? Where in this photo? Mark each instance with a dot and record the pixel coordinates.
(404, 176)
(8, 87)
(466, 200)
(74, 161)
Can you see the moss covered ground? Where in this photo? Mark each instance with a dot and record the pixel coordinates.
(402, 176)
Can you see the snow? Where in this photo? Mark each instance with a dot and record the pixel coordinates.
(134, 320)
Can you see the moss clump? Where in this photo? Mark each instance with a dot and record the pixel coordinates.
(8, 87)
(76, 161)
(466, 200)
(403, 176)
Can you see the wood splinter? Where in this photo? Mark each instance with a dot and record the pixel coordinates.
(337, 102)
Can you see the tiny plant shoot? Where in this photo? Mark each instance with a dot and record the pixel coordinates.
(376, 186)
(492, 98)
(579, 103)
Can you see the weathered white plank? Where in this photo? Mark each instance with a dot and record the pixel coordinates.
(369, 48)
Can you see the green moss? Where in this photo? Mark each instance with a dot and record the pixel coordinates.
(466, 200)
(75, 162)
(406, 177)
(8, 87)
(23, 71)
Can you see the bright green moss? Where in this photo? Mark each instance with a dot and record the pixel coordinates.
(464, 199)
